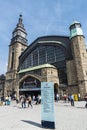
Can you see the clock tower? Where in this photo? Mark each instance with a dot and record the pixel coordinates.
(17, 45)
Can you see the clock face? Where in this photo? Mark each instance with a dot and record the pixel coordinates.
(20, 33)
(23, 34)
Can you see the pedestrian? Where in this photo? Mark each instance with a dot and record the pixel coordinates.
(69, 98)
(30, 101)
(36, 100)
(65, 97)
(57, 97)
(79, 98)
(86, 101)
(9, 100)
(6, 100)
(72, 100)
(39, 99)
(23, 102)
(33, 99)
(86, 105)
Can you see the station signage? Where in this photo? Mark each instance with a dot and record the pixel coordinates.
(47, 105)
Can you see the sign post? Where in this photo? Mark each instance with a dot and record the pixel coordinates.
(47, 102)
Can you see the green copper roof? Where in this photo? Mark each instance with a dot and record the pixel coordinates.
(37, 67)
(75, 22)
(76, 32)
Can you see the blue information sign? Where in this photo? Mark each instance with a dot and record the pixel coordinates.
(47, 101)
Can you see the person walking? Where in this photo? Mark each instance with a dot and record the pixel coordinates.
(79, 98)
(72, 100)
(69, 98)
(86, 101)
(57, 97)
(30, 101)
(23, 102)
(65, 97)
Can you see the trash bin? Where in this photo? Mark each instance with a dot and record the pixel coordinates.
(75, 97)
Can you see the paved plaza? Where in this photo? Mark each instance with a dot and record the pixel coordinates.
(67, 117)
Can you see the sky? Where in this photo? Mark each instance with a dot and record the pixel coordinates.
(40, 18)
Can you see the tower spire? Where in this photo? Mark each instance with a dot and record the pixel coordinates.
(20, 19)
(19, 33)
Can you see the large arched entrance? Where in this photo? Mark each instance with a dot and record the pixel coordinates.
(30, 85)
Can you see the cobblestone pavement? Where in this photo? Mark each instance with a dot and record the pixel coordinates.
(67, 117)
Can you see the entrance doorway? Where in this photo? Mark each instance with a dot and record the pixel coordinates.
(30, 93)
(30, 86)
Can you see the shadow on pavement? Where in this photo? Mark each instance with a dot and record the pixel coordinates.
(81, 107)
(32, 123)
